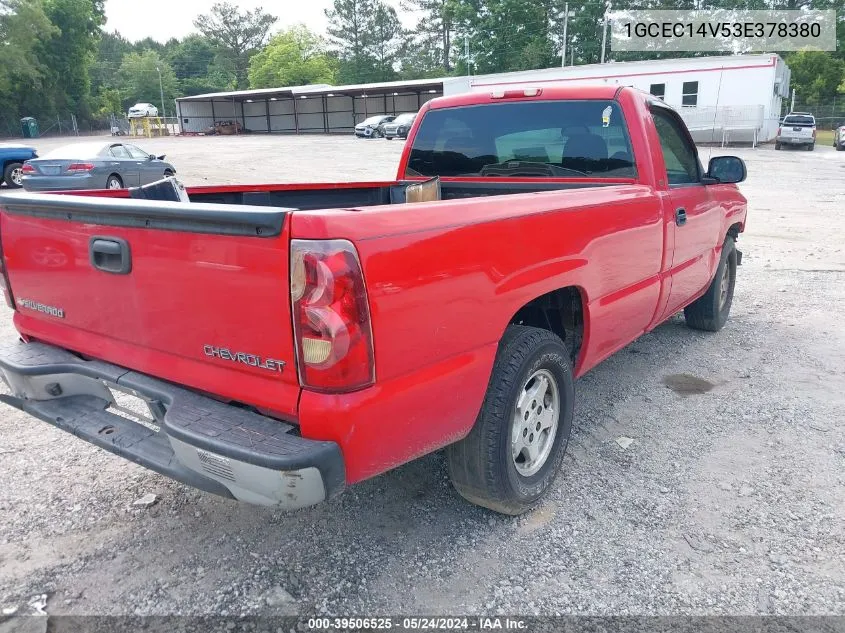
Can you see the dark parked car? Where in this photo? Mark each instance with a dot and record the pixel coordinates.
(12, 158)
(94, 166)
(372, 126)
(399, 126)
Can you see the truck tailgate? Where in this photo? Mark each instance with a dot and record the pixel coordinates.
(197, 294)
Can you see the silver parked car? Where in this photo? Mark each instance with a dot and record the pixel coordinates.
(399, 126)
(839, 138)
(372, 126)
(101, 165)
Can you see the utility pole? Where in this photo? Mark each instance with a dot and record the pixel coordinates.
(792, 105)
(466, 53)
(604, 29)
(565, 27)
(161, 88)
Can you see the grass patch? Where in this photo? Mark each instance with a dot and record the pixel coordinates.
(824, 137)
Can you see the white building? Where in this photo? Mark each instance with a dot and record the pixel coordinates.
(734, 98)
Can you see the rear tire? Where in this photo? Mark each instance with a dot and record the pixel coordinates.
(13, 175)
(777, 146)
(710, 312)
(168, 173)
(513, 453)
(810, 148)
(114, 182)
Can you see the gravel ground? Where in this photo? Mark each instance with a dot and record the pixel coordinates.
(730, 499)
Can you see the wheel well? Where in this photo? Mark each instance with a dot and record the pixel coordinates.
(735, 230)
(560, 311)
(116, 175)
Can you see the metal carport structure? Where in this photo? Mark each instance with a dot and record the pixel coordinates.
(320, 108)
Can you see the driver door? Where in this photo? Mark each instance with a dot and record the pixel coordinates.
(125, 166)
(692, 217)
(149, 169)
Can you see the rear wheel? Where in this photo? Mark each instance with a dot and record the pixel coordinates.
(777, 146)
(811, 147)
(515, 450)
(114, 182)
(710, 312)
(168, 173)
(13, 175)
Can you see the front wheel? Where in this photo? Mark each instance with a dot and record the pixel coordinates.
(13, 175)
(515, 449)
(710, 312)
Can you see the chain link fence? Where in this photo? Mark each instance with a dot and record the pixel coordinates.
(60, 125)
(71, 126)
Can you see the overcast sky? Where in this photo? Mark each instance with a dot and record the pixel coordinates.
(163, 19)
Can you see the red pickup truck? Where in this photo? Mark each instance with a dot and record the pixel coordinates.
(276, 343)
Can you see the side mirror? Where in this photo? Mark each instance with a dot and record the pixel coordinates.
(161, 157)
(725, 170)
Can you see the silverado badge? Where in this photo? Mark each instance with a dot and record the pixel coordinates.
(29, 304)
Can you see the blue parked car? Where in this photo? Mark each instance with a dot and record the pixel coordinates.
(12, 158)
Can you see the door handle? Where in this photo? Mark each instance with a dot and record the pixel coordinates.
(110, 254)
(680, 216)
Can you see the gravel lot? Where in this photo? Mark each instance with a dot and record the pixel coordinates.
(729, 500)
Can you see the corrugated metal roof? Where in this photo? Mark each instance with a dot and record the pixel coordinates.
(241, 94)
(413, 85)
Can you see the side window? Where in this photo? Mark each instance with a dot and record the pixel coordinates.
(119, 151)
(678, 153)
(689, 95)
(137, 153)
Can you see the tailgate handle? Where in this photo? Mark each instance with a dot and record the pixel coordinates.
(110, 254)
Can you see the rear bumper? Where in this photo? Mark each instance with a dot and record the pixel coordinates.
(197, 440)
(62, 183)
(786, 140)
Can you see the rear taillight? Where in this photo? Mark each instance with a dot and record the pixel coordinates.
(75, 167)
(27, 169)
(779, 129)
(814, 133)
(4, 281)
(331, 318)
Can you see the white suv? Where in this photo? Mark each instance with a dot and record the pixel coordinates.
(797, 129)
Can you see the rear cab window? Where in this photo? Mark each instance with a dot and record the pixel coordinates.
(551, 139)
(796, 120)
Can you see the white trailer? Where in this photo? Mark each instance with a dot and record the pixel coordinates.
(722, 99)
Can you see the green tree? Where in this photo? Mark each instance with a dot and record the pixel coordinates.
(24, 77)
(237, 34)
(432, 35)
(110, 51)
(294, 57)
(506, 34)
(139, 80)
(350, 24)
(71, 54)
(192, 57)
(816, 75)
(385, 40)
